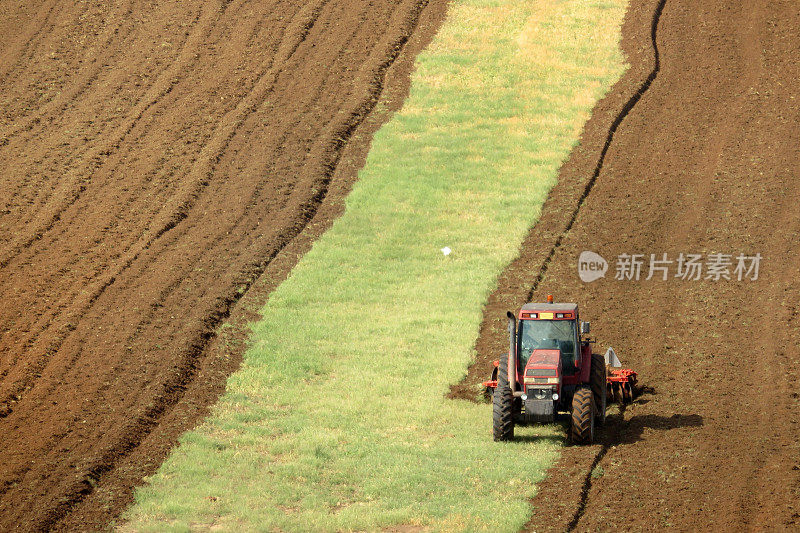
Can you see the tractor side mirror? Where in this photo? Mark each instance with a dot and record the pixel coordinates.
(585, 328)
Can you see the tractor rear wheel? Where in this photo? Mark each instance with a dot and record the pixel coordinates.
(599, 387)
(502, 406)
(581, 429)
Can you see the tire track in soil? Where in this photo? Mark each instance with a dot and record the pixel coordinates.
(213, 322)
(198, 181)
(705, 163)
(95, 56)
(12, 56)
(47, 216)
(67, 298)
(171, 214)
(144, 381)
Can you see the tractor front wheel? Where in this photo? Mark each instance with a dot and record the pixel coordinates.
(599, 385)
(502, 406)
(582, 426)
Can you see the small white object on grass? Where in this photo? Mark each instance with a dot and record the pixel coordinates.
(446, 250)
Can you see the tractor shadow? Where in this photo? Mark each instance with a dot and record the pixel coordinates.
(618, 430)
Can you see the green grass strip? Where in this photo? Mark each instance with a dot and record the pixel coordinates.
(341, 423)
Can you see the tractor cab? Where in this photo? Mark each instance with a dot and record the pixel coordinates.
(550, 327)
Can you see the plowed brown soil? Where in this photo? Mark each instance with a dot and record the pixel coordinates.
(164, 166)
(706, 160)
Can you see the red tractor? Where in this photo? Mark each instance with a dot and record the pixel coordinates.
(550, 368)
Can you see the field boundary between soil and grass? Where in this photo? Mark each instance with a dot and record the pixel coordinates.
(108, 490)
(627, 108)
(337, 418)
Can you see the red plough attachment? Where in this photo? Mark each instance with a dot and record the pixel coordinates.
(620, 382)
(491, 384)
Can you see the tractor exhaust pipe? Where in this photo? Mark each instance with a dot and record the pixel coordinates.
(512, 346)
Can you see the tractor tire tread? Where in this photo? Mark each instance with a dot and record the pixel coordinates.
(582, 426)
(599, 387)
(503, 407)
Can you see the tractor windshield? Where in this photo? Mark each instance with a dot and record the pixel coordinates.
(549, 334)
